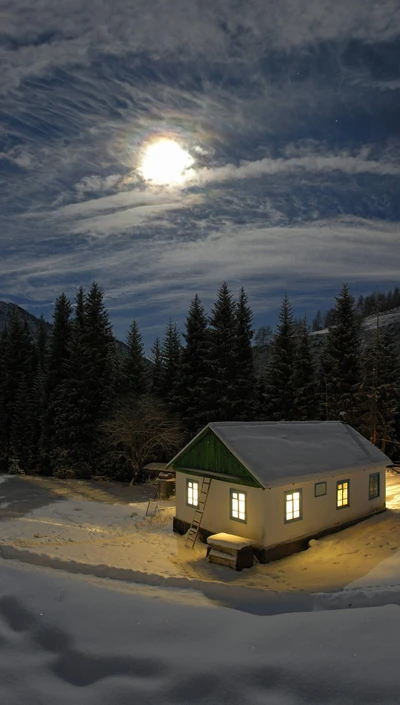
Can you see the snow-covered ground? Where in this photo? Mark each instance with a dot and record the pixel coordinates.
(89, 532)
(70, 640)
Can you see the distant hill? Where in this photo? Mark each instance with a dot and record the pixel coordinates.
(33, 322)
(368, 324)
(390, 320)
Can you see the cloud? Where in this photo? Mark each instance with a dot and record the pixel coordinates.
(95, 184)
(317, 163)
(290, 110)
(41, 34)
(165, 273)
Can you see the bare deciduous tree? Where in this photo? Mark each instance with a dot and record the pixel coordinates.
(139, 428)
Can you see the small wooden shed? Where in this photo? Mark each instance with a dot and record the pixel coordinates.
(152, 470)
(278, 483)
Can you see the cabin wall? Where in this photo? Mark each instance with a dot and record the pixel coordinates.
(320, 513)
(216, 516)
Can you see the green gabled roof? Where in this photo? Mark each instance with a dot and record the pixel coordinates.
(206, 454)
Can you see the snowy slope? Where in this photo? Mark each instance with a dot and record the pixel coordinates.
(390, 318)
(69, 641)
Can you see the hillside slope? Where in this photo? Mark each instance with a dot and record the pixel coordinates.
(6, 310)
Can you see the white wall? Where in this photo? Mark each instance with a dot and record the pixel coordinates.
(320, 512)
(266, 510)
(217, 511)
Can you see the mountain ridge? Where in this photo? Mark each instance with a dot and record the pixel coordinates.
(7, 307)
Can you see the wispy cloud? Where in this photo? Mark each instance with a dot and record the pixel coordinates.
(314, 163)
(290, 110)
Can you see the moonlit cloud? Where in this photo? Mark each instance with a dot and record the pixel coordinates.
(289, 109)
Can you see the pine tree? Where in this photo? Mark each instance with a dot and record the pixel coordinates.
(23, 437)
(380, 390)
(280, 391)
(342, 360)
(134, 372)
(86, 397)
(220, 381)
(305, 406)
(245, 385)
(171, 363)
(317, 323)
(18, 365)
(192, 401)
(156, 369)
(55, 378)
(3, 402)
(261, 347)
(221, 369)
(41, 345)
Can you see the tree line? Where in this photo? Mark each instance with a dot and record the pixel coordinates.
(377, 302)
(71, 405)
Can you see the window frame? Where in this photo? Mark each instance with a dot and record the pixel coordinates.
(197, 482)
(323, 482)
(238, 492)
(299, 518)
(341, 482)
(372, 475)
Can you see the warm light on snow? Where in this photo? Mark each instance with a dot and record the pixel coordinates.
(165, 162)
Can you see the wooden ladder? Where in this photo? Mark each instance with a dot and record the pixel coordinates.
(198, 515)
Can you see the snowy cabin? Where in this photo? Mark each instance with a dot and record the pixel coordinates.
(278, 483)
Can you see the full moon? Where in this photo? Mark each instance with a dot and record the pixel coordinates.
(165, 162)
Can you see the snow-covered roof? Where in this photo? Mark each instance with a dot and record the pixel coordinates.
(276, 453)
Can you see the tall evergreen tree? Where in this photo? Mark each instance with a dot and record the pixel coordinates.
(3, 411)
(72, 424)
(56, 375)
(192, 401)
(156, 381)
(342, 360)
(41, 345)
(245, 385)
(305, 405)
(24, 439)
(134, 371)
(171, 350)
(280, 390)
(18, 366)
(222, 365)
(87, 394)
(381, 390)
(317, 323)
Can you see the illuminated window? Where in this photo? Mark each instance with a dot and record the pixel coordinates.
(192, 494)
(320, 489)
(293, 506)
(342, 494)
(238, 506)
(374, 485)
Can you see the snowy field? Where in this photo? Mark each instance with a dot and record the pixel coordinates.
(320, 627)
(102, 529)
(69, 640)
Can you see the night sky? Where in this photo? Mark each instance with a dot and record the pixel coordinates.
(290, 110)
